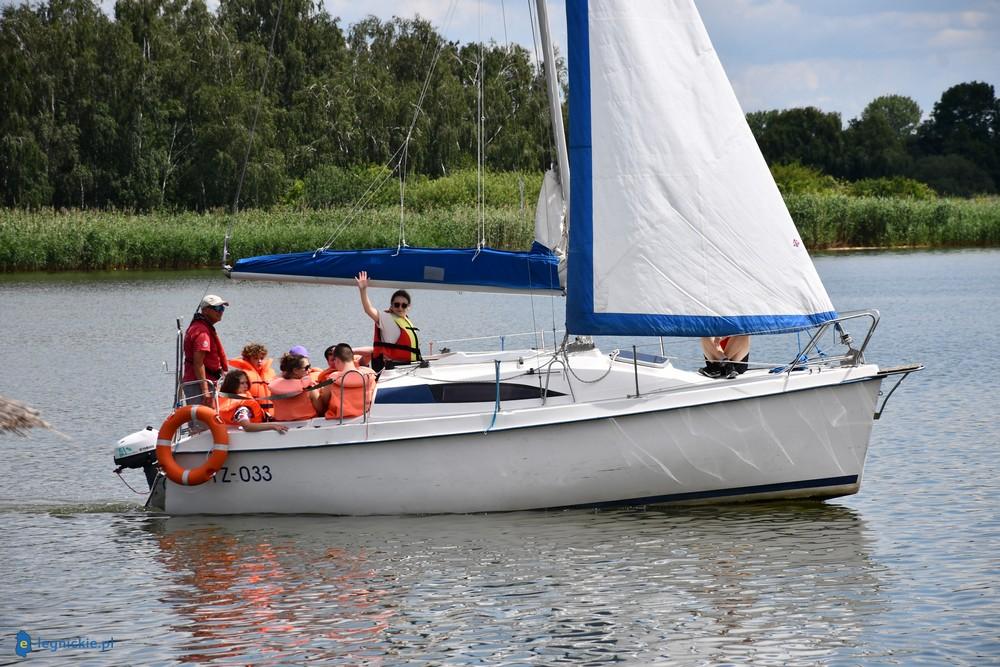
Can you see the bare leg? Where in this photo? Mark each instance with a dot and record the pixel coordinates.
(737, 347)
(712, 350)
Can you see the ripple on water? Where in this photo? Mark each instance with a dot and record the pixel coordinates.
(904, 573)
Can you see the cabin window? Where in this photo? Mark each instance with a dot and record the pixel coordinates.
(460, 392)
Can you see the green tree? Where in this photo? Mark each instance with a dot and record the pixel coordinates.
(805, 135)
(24, 170)
(965, 122)
(901, 113)
(875, 144)
(953, 175)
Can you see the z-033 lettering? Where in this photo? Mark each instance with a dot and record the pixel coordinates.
(243, 474)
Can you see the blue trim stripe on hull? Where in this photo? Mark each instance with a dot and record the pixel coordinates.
(722, 493)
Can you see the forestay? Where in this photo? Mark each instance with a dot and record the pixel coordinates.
(677, 226)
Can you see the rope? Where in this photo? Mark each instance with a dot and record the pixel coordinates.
(131, 488)
(496, 406)
(253, 129)
(398, 158)
(480, 138)
(611, 364)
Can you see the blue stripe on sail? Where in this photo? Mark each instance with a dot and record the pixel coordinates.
(626, 324)
(580, 269)
(468, 267)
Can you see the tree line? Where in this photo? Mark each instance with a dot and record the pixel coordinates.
(154, 107)
(955, 150)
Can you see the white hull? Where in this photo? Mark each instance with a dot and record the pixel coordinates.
(761, 436)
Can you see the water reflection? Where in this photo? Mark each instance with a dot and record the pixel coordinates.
(769, 584)
(244, 592)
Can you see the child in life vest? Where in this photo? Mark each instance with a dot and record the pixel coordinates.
(291, 394)
(238, 408)
(353, 387)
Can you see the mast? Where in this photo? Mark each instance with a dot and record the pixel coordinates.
(555, 110)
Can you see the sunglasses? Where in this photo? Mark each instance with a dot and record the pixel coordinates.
(218, 309)
(400, 304)
(307, 367)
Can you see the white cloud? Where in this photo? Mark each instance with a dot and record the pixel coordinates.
(953, 38)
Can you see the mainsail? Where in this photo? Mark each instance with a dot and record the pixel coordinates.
(472, 269)
(677, 227)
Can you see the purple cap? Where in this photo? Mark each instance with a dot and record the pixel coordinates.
(298, 349)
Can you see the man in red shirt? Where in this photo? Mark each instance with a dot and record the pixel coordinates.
(204, 357)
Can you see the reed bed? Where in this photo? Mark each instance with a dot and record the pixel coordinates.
(97, 240)
(829, 221)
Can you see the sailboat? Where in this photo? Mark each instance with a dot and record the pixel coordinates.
(669, 224)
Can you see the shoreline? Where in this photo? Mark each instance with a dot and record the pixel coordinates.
(44, 274)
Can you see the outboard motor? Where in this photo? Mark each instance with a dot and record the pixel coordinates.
(138, 450)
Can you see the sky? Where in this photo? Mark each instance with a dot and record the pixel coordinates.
(837, 55)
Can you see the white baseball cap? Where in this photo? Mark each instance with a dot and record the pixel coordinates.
(212, 300)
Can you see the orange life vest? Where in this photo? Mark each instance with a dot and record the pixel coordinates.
(326, 373)
(259, 380)
(357, 401)
(406, 349)
(228, 407)
(295, 407)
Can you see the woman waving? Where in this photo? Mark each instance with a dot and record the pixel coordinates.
(395, 339)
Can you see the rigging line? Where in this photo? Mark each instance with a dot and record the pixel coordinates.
(366, 197)
(541, 64)
(479, 138)
(503, 12)
(532, 19)
(403, 159)
(418, 109)
(392, 164)
(611, 364)
(253, 129)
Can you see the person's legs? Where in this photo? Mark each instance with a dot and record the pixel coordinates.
(194, 396)
(720, 362)
(711, 349)
(713, 355)
(737, 347)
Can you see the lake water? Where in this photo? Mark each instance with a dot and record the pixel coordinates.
(906, 572)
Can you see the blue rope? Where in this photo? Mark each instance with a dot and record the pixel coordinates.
(801, 359)
(496, 406)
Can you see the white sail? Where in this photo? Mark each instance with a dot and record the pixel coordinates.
(549, 213)
(677, 226)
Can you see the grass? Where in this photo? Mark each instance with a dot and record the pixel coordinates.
(840, 221)
(96, 240)
(50, 240)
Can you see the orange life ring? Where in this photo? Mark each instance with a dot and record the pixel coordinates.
(165, 455)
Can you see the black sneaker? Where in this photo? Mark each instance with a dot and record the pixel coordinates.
(728, 372)
(712, 369)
